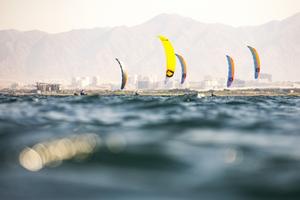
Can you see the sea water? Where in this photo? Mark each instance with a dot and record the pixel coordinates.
(151, 147)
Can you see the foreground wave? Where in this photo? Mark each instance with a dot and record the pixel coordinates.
(132, 147)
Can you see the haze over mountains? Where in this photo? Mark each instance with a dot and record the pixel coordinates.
(35, 55)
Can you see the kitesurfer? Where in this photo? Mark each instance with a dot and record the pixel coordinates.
(82, 93)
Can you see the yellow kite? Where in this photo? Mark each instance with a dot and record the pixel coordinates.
(170, 56)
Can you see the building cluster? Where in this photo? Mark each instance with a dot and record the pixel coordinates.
(47, 88)
(139, 82)
(209, 82)
(84, 82)
(135, 82)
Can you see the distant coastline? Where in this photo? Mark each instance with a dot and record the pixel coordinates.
(166, 93)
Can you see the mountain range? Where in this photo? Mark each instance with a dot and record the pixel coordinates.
(35, 55)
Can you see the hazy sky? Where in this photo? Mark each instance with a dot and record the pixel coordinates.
(64, 15)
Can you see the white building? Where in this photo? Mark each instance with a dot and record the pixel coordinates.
(81, 82)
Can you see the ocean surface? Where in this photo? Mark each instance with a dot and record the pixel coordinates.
(136, 148)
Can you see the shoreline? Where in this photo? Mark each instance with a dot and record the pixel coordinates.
(167, 93)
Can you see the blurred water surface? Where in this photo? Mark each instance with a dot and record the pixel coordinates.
(154, 147)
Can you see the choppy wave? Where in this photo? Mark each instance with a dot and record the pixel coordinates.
(154, 147)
